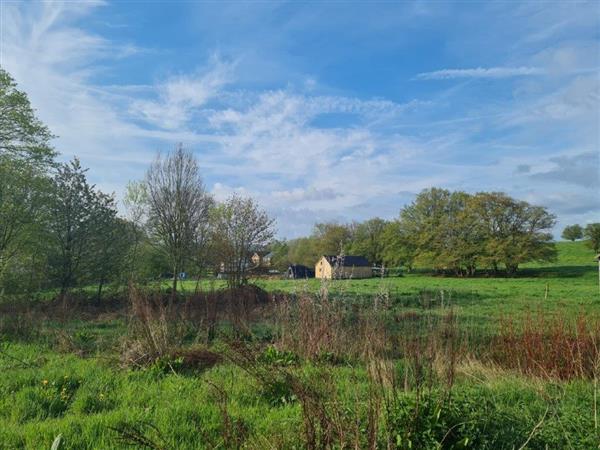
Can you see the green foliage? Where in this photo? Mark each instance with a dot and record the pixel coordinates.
(80, 221)
(459, 232)
(280, 250)
(48, 400)
(368, 240)
(25, 157)
(276, 357)
(22, 135)
(592, 233)
(572, 232)
(303, 251)
(239, 227)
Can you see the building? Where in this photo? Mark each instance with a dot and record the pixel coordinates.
(261, 259)
(329, 267)
(296, 271)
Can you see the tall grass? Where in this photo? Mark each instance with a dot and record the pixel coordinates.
(549, 347)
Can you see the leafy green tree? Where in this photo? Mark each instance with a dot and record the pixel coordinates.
(572, 232)
(367, 240)
(22, 135)
(110, 241)
(443, 230)
(459, 232)
(399, 247)
(422, 221)
(332, 238)
(514, 232)
(17, 208)
(280, 250)
(304, 251)
(76, 212)
(25, 156)
(592, 233)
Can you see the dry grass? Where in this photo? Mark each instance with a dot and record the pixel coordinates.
(549, 347)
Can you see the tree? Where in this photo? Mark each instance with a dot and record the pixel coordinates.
(572, 233)
(304, 251)
(459, 232)
(398, 247)
(367, 240)
(18, 201)
(75, 212)
(25, 155)
(592, 233)
(239, 227)
(513, 232)
(331, 237)
(22, 135)
(443, 230)
(178, 207)
(110, 240)
(135, 203)
(280, 259)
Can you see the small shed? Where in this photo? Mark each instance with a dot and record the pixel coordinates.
(296, 271)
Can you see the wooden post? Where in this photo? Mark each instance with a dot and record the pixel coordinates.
(598, 259)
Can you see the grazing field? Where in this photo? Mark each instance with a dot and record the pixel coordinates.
(417, 361)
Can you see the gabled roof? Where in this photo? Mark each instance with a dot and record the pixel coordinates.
(347, 261)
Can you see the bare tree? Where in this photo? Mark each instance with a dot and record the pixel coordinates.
(135, 203)
(178, 206)
(239, 227)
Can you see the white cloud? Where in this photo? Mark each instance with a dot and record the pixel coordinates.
(279, 146)
(481, 72)
(180, 95)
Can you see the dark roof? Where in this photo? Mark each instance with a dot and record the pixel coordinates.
(348, 261)
(300, 271)
(298, 267)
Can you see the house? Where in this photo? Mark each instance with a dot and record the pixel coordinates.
(261, 259)
(297, 271)
(343, 267)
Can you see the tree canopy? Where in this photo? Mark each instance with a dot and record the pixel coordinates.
(22, 135)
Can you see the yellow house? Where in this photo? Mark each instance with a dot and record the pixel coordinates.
(343, 267)
(262, 259)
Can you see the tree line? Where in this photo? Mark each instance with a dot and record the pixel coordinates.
(58, 231)
(591, 232)
(452, 232)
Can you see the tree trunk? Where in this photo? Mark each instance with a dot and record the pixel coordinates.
(174, 287)
(99, 293)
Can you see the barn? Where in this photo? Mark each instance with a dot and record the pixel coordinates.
(349, 266)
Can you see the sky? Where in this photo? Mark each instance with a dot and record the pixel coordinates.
(323, 111)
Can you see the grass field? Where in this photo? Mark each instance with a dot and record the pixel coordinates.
(65, 374)
(568, 286)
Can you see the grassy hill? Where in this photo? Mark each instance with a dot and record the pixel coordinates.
(570, 254)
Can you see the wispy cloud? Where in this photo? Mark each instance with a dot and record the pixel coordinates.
(309, 150)
(178, 96)
(481, 72)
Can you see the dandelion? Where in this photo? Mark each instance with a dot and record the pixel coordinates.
(45, 382)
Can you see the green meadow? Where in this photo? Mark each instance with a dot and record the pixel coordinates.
(65, 379)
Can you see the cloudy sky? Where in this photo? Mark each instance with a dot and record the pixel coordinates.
(323, 110)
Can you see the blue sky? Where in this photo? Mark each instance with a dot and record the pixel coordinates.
(323, 110)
